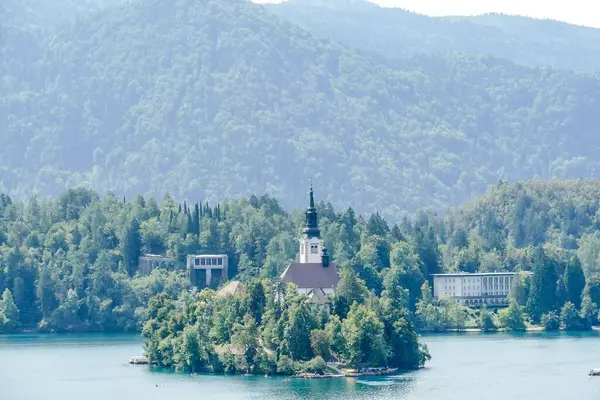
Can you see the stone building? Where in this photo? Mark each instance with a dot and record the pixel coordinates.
(149, 262)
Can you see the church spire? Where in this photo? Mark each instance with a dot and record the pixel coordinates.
(311, 228)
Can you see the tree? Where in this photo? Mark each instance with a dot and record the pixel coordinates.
(336, 338)
(569, 319)
(512, 317)
(256, 300)
(285, 365)
(486, 321)
(297, 331)
(245, 339)
(350, 289)
(320, 343)
(520, 288)
(551, 321)
(574, 281)
(405, 349)
(542, 294)
(588, 312)
(9, 313)
(364, 336)
(132, 246)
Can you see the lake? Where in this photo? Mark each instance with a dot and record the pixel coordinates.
(464, 366)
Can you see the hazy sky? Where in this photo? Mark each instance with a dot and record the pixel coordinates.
(582, 12)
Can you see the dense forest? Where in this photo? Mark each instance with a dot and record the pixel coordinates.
(397, 33)
(70, 264)
(212, 99)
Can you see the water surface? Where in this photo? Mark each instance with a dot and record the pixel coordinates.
(465, 366)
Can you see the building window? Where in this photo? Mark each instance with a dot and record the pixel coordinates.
(202, 261)
(220, 261)
(314, 249)
(197, 261)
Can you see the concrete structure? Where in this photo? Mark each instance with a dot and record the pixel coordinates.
(475, 289)
(313, 274)
(149, 262)
(208, 270)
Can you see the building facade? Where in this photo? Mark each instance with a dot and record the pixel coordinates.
(313, 273)
(149, 262)
(475, 289)
(208, 270)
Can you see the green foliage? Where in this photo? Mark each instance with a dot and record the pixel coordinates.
(316, 365)
(320, 343)
(9, 313)
(512, 318)
(486, 320)
(574, 281)
(542, 298)
(569, 318)
(364, 335)
(286, 366)
(588, 312)
(298, 332)
(551, 321)
(232, 88)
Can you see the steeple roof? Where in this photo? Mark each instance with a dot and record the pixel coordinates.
(311, 228)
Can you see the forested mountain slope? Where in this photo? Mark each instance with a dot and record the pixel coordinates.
(557, 214)
(399, 33)
(206, 99)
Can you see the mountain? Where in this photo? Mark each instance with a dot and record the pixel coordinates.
(397, 33)
(208, 99)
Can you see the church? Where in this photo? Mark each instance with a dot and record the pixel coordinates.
(313, 273)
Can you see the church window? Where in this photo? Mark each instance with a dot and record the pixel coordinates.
(314, 249)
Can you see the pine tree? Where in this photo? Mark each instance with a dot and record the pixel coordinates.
(196, 220)
(9, 313)
(574, 281)
(132, 246)
(543, 287)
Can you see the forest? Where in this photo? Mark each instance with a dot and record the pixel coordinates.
(396, 33)
(70, 264)
(219, 99)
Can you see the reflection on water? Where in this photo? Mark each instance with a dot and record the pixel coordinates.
(464, 366)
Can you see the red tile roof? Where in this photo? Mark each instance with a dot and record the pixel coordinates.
(311, 275)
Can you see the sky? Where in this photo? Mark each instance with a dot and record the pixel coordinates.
(580, 12)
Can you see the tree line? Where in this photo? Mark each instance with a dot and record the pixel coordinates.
(71, 263)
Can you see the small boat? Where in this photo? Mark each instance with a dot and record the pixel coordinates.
(594, 372)
(139, 360)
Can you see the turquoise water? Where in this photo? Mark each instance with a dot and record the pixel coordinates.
(466, 366)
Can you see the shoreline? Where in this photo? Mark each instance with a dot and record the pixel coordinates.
(533, 329)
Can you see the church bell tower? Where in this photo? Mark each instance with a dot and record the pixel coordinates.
(311, 244)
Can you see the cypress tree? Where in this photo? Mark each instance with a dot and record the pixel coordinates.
(574, 281)
(196, 220)
(543, 288)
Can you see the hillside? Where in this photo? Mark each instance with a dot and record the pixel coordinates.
(208, 99)
(558, 214)
(398, 33)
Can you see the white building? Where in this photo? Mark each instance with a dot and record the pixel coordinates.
(475, 289)
(313, 274)
(208, 270)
